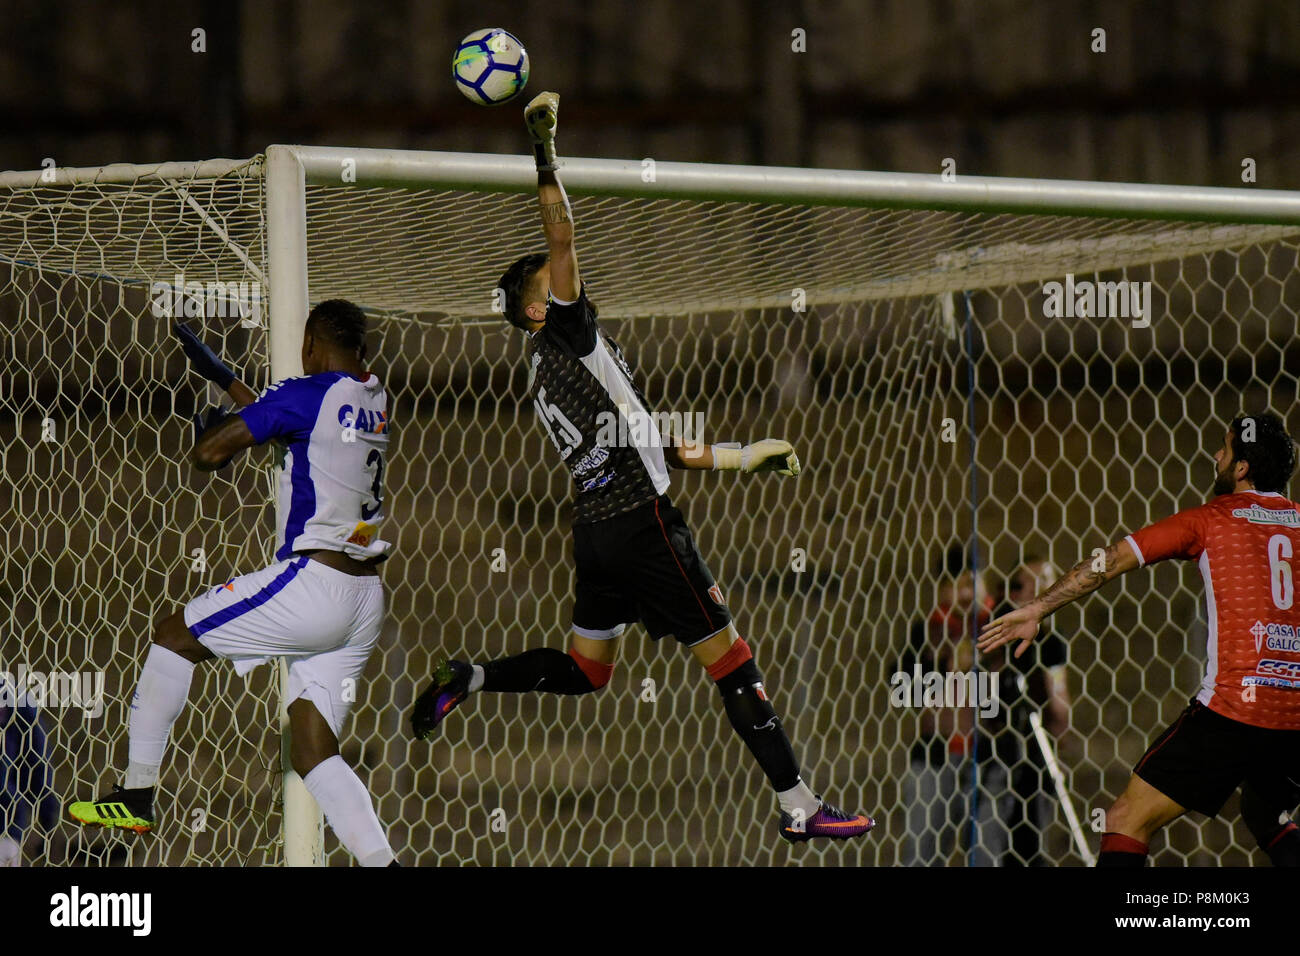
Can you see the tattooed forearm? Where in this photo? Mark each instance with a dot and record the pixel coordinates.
(1084, 578)
(553, 212)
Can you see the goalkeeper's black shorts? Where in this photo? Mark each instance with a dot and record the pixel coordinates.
(643, 565)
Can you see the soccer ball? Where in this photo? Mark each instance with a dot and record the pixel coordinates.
(490, 66)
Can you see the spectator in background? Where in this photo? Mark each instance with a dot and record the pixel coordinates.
(1033, 682)
(937, 788)
(25, 778)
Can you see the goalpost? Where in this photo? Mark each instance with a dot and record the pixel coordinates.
(895, 327)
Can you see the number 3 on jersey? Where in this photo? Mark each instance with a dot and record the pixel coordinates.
(375, 465)
(1279, 571)
(561, 430)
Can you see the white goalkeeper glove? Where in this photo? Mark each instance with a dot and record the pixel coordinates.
(542, 117)
(770, 454)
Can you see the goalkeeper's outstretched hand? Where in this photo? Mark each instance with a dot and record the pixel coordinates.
(202, 359)
(542, 117)
(770, 454)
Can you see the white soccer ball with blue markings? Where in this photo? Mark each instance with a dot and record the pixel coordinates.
(490, 66)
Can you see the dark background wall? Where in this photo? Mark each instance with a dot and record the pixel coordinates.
(1184, 91)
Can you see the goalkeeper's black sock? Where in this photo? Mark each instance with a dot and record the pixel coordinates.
(1120, 850)
(545, 670)
(753, 717)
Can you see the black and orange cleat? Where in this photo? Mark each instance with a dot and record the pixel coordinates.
(448, 691)
(827, 823)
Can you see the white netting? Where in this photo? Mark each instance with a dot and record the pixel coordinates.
(104, 513)
(444, 250)
(1083, 428)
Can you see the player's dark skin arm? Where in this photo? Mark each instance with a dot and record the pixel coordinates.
(230, 436)
(241, 394)
(223, 440)
(1084, 578)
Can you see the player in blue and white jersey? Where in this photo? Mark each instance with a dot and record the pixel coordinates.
(320, 606)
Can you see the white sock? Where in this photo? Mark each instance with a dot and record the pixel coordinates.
(348, 809)
(159, 699)
(799, 797)
(476, 678)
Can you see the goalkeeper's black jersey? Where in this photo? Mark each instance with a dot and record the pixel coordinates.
(594, 413)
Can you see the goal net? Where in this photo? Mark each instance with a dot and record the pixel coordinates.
(941, 408)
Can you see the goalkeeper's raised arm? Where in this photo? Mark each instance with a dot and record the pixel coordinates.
(541, 116)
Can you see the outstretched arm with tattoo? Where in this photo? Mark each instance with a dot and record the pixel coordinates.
(1084, 578)
(541, 116)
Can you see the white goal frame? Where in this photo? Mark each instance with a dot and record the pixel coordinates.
(289, 170)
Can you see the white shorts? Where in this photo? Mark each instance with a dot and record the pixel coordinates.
(324, 621)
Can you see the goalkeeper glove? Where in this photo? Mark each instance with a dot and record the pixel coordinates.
(211, 418)
(542, 116)
(202, 359)
(770, 454)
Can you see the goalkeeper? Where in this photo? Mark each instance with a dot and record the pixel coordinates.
(634, 555)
